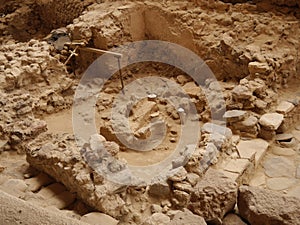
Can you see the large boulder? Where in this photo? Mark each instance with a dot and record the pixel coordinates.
(213, 196)
(259, 206)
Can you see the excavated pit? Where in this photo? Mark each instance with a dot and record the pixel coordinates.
(253, 54)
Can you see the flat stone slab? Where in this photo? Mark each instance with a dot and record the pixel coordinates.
(296, 134)
(279, 166)
(285, 107)
(235, 115)
(276, 150)
(294, 192)
(280, 183)
(271, 121)
(237, 165)
(255, 147)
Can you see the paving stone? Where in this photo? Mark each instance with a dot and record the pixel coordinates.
(280, 183)
(258, 179)
(237, 165)
(279, 167)
(285, 107)
(296, 134)
(15, 187)
(36, 183)
(271, 121)
(253, 148)
(62, 200)
(295, 191)
(276, 150)
(97, 218)
(298, 172)
(235, 115)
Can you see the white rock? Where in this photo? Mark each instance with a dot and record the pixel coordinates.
(235, 115)
(285, 107)
(271, 121)
(258, 67)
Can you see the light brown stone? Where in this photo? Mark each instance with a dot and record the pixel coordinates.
(259, 206)
(285, 107)
(271, 121)
(97, 218)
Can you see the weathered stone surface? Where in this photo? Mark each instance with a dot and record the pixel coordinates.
(215, 128)
(257, 147)
(285, 107)
(16, 211)
(283, 151)
(36, 183)
(187, 217)
(192, 89)
(96, 218)
(14, 187)
(180, 175)
(60, 158)
(233, 219)
(157, 219)
(259, 206)
(280, 183)
(258, 67)
(235, 115)
(279, 167)
(161, 189)
(271, 121)
(237, 165)
(62, 200)
(298, 172)
(213, 196)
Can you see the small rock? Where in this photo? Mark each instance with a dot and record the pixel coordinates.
(241, 92)
(97, 218)
(156, 208)
(193, 178)
(180, 175)
(157, 219)
(233, 219)
(285, 107)
(161, 189)
(258, 67)
(192, 89)
(271, 121)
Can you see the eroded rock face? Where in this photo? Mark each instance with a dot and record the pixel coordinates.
(214, 196)
(61, 159)
(259, 206)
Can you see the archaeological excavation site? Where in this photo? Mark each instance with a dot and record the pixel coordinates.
(171, 112)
